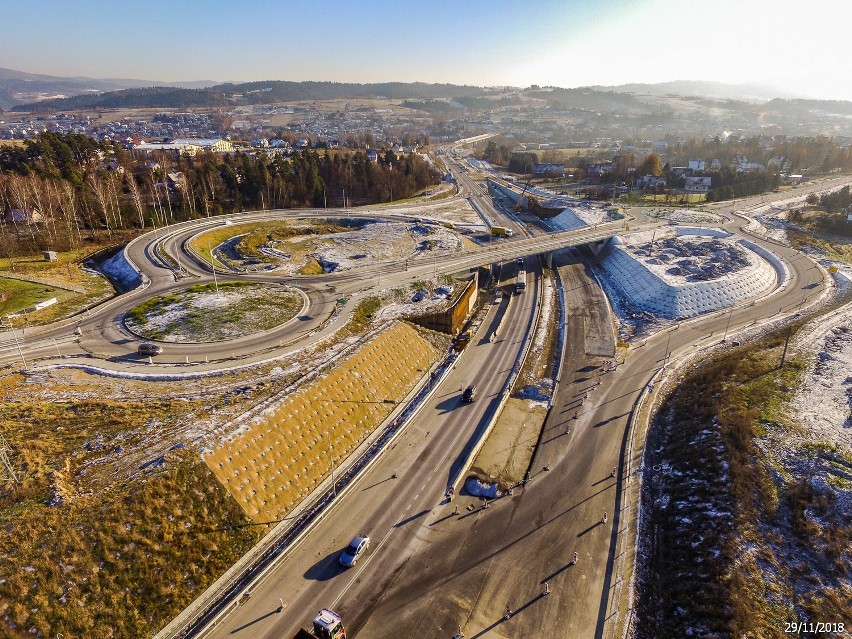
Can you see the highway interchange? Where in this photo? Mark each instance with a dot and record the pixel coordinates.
(430, 572)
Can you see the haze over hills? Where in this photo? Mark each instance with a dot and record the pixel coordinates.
(754, 92)
(19, 88)
(698, 107)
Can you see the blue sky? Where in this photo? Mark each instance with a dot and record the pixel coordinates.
(797, 47)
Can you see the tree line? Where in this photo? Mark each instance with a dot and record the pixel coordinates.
(836, 206)
(84, 190)
(812, 155)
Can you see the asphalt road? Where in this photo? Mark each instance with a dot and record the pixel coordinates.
(114, 347)
(489, 559)
(411, 524)
(429, 570)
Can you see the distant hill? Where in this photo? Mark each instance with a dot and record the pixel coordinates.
(251, 93)
(147, 97)
(18, 87)
(720, 90)
(20, 91)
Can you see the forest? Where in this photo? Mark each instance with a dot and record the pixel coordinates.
(59, 191)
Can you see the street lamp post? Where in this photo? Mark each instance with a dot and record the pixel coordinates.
(730, 314)
(331, 458)
(668, 342)
(213, 264)
(17, 343)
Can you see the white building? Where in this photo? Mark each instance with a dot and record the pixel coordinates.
(216, 145)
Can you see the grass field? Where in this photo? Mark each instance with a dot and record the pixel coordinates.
(255, 235)
(74, 287)
(730, 551)
(838, 249)
(18, 295)
(112, 527)
(201, 314)
(85, 550)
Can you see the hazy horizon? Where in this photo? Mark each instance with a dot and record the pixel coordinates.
(565, 43)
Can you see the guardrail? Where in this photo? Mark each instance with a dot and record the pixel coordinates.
(215, 602)
(504, 396)
(644, 410)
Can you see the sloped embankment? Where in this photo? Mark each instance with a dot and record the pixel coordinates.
(273, 463)
(732, 543)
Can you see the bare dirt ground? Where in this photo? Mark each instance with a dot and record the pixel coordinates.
(589, 335)
(505, 456)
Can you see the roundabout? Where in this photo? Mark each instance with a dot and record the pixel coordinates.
(216, 312)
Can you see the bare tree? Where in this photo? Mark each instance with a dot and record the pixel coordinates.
(18, 190)
(101, 195)
(67, 204)
(157, 204)
(111, 180)
(137, 199)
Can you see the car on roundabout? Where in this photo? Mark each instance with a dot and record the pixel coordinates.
(147, 348)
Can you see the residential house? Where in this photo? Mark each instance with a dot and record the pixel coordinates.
(176, 180)
(696, 166)
(696, 184)
(550, 170)
(172, 147)
(779, 163)
(372, 155)
(216, 145)
(599, 172)
(651, 182)
(25, 216)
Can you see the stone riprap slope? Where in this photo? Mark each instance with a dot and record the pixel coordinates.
(685, 275)
(273, 463)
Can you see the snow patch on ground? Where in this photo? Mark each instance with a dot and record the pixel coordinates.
(401, 303)
(823, 403)
(538, 394)
(686, 216)
(121, 272)
(480, 489)
(381, 241)
(576, 217)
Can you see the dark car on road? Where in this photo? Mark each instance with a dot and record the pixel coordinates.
(146, 348)
(469, 394)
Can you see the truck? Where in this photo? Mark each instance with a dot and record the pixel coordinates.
(521, 282)
(502, 230)
(461, 341)
(327, 625)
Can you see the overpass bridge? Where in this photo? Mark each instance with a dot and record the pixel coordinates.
(497, 250)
